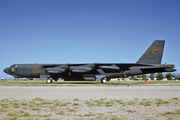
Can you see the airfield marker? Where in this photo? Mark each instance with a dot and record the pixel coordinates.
(145, 81)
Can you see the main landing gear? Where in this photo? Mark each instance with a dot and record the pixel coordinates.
(105, 80)
(49, 80)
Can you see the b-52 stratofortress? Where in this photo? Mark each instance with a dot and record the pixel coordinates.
(150, 62)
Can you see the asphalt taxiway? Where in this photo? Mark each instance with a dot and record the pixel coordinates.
(84, 93)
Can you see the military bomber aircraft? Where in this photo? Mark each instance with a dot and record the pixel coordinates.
(150, 62)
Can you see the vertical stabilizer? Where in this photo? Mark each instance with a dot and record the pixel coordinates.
(153, 54)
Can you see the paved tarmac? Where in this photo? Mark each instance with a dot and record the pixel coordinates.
(86, 93)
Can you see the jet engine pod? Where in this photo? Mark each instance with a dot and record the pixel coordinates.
(109, 67)
(55, 70)
(80, 69)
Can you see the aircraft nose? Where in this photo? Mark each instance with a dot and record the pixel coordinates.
(6, 70)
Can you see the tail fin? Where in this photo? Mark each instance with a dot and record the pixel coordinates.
(153, 54)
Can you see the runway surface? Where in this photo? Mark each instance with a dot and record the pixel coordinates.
(85, 93)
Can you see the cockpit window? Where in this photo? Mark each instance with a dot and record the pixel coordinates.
(13, 68)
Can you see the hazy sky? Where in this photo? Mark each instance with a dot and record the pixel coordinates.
(86, 31)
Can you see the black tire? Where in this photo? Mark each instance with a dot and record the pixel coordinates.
(49, 81)
(104, 80)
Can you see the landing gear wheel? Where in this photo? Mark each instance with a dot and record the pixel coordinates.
(49, 81)
(104, 80)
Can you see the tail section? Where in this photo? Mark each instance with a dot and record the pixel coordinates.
(153, 54)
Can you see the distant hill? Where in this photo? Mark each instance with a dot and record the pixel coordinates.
(176, 74)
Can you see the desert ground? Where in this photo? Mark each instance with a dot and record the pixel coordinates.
(90, 102)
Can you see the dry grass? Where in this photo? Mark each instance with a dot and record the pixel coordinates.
(103, 108)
